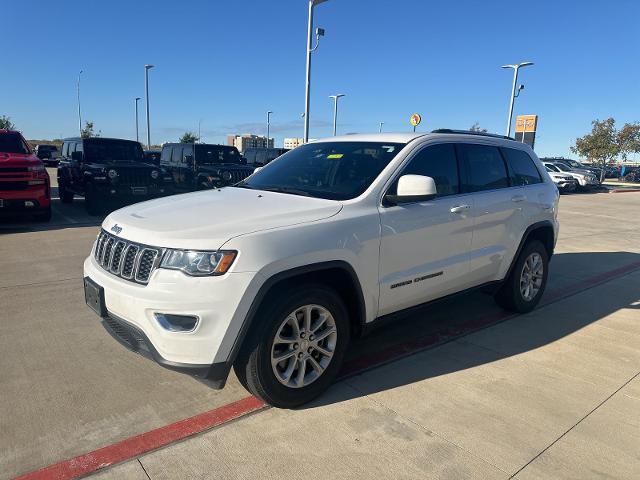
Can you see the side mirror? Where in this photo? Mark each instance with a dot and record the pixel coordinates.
(188, 159)
(77, 156)
(413, 188)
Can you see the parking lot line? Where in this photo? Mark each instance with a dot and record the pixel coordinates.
(143, 443)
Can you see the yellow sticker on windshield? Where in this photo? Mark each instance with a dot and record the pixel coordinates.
(336, 155)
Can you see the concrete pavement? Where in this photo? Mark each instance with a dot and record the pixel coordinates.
(551, 394)
(468, 408)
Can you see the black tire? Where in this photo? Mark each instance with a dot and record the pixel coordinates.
(65, 195)
(253, 365)
(44, 216)
(91, 201)
(510, 297)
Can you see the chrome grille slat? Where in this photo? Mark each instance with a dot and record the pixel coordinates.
(128, 260)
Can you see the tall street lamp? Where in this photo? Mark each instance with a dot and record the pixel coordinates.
(307, 92)
(335, 110)
(146, 94)
(268, 125)
(79, 111)
(136, 102)
(514, 94)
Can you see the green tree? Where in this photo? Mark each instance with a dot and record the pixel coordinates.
(476, 128)
(601, 145)
(6, 123)
(629, 139)
(188, 137)
(88, 132)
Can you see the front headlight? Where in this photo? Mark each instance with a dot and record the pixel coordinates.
(112, 174)
(199, 264)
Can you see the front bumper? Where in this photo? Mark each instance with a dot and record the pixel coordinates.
(205, 351)
(14, 200)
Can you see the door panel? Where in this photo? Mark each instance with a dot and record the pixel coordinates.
(424, 251)
(424, 246)
(497, 217)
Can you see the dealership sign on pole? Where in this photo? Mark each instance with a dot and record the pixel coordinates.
(415, 120)
(526, 126)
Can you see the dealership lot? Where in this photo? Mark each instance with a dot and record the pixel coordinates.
(555, 391)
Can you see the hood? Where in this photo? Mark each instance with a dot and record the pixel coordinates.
(206, 220)
(15, 160)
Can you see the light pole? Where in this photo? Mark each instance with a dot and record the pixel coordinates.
(380, 129)
(335, 110)
(307, 90)
(199, 122)
(514, 94)
(136, 102)
(146, 95)
(268, 125)
(79, 111)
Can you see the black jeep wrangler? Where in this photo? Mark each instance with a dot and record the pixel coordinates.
(198, 166)
(108, 171)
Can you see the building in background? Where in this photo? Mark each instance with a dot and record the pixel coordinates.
(293, 142)
(242, 142)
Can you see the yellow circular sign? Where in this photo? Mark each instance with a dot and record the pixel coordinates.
(415, 119)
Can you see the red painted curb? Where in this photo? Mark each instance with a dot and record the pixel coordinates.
(143, 443)
(624, 190)
(134, 446)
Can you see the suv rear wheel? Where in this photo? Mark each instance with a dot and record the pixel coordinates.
(297, 347)
(525, 285)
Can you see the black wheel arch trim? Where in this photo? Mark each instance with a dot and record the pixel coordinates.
(523, 242)
(288, 274)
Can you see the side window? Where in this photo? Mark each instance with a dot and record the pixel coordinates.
(438, 162)
(186, 150)
(165, 156)
(484, 166)
(522, 169)
(79, 147)
(65, 149)
(72, 148)
(176, 155)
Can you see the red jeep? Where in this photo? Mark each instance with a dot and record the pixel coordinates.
(24, 182)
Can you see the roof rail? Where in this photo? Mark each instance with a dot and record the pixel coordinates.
(469, 132)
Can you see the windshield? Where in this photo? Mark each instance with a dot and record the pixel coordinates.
(331, 170)
(212, 154)
(12, 143)
(112, 151)
(562, 167)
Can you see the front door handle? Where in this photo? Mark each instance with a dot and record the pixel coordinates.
(460, 208)
(518, 198)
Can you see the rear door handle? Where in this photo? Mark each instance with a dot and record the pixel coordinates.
(460, 208)
(518, 198)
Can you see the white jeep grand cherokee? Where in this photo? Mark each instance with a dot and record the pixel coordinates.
(274, 275)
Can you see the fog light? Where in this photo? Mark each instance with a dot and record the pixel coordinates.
(29, 203)
(177, 323)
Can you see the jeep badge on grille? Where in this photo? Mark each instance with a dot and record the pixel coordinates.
(116, 229)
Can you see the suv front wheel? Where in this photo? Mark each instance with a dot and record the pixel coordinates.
(297, 347)
(525, 285)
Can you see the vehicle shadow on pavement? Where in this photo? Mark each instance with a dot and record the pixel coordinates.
(517, 335)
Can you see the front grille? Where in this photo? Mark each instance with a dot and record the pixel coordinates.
(13, 169)
(135, 176)
(128, 260)
(238, 175)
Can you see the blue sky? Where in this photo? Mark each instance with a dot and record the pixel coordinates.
(228, 62)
